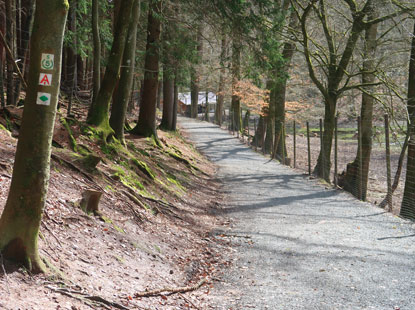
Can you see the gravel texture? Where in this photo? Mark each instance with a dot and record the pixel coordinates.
(300, 245)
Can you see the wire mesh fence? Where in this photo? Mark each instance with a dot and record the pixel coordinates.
(354, 154)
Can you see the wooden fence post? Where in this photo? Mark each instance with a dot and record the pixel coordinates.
(294, 145)
(335, 153)
(359, 141)
(308, 149)
(388, 163)
(323, 160)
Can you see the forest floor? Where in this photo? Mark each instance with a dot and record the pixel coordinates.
(153, 231)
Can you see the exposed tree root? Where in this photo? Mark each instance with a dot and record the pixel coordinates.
(71, 165)
(170, 290)
(87, 299)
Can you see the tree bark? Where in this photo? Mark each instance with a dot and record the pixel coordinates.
(71, 58)
(356, 179)
(2, 58)
(195, 76)
(168, 79)
(100, 109)
(175, 103)
(24, 36)
(168, 101)
(20, 220)
(408, 201)
(281, 86)
(146, 125)
(123, 92)
(236, 76)
(11, 42)
(322, 168)
(221, 88)
(96, 55)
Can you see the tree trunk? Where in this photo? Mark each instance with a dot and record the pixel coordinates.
(207, 106)
(71, 58)
(2, 99)
(11, 42)
(100, 109)
(221, 88)
(356, 179)
(168, 101)
(123, 92)
(168, 78)
(96, 54)
(236, 76)
(175, 103)
(24, 36)
(195, 77)
(159, 95)
(322, 168)
(408, 201)
(281, 86)
(146, 125)
(20, 221)
(2, 56)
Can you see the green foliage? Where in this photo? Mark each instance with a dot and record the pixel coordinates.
(82, 39)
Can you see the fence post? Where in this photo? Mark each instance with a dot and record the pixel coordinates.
(264, 131)
(308, 149)
(359, 141)
(335, 152)
(242, 126)
(283, 142)
(249, 124)
(323, 159)
(388, 163)
(294, 142)
(233, 122)
(255, 135)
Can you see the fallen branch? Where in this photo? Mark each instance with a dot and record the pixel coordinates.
(170, 290)
(86, 298)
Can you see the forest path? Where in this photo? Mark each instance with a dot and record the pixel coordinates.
(299, 245)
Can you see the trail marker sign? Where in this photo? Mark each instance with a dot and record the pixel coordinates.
(47, 62)
(43, 98)
(45, 79)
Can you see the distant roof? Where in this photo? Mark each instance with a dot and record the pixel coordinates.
(185, 98)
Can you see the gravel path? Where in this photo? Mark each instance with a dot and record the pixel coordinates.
(299, 245)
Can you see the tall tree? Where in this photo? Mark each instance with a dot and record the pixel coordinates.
(221, 86)
(11, 42)
(23, 35)
(168, 76)
(146, 125)
(123, 92)
(328, 63)
(236, 74)
(356, 177)
(96, 52)
(99, 115)
(195, 74)
(408, 201)
(280, 86)
(20, 220)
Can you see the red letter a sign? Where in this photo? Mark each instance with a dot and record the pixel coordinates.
(45, 79)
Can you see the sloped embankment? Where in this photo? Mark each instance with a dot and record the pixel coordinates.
(159, 202)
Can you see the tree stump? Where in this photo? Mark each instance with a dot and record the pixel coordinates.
(90, 201)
